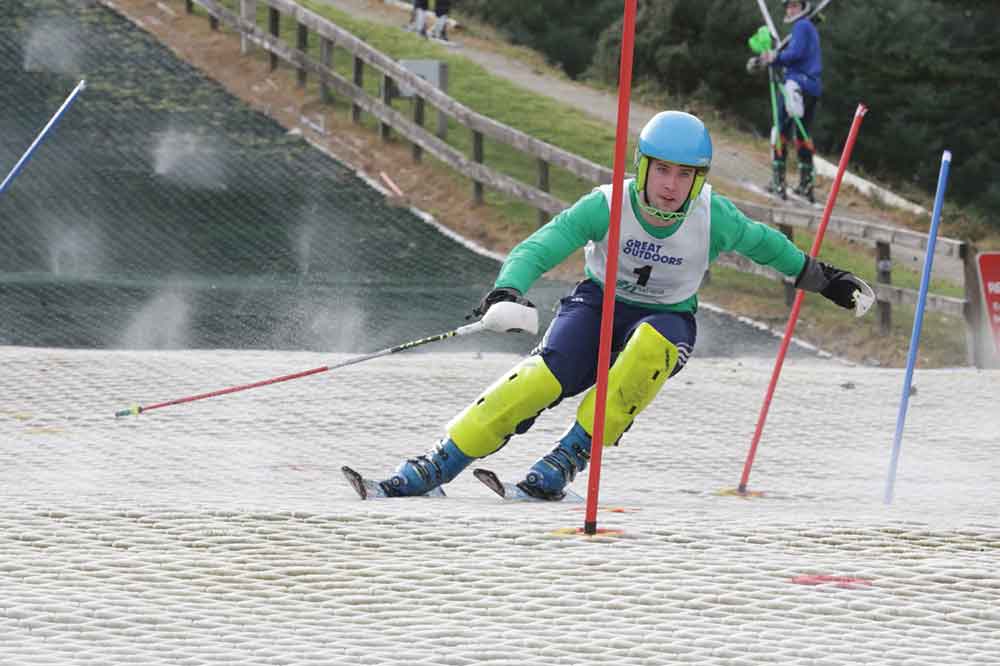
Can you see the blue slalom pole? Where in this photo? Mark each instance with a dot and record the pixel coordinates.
(918, 319)
(41, 136)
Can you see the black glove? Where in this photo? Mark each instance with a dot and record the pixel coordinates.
(499, 295)
(833, 283)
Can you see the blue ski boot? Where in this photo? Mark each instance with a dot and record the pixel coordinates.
(420, 475)
(555, 470)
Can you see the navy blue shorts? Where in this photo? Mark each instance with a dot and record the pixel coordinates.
(570, 345)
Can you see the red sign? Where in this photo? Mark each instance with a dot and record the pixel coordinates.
(989, 277)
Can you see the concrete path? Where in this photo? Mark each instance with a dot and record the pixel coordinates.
(729, 163)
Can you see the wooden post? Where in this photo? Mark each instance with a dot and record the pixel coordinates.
(213, 22)
(274, 27)
(248, 12)
(442, 128)
(326, 57)
(302, 44)
(790, 290)
(883, 273)
(189, 6)
(418, 118)
(359, 81)
(385, 129)
(543, 185)
(477, 157)
(978, 342)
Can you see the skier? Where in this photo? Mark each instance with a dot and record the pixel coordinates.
(672, 227)
(802, 61)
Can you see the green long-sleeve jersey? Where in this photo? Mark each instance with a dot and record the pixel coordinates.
(588, 220)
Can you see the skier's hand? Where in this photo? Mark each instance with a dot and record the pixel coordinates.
(838, 285)
(754, 65)
(767, 57)
(498, 295)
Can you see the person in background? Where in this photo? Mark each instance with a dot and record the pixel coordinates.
(672, 227)
(418, 18)
(440, 29)
(802, 61)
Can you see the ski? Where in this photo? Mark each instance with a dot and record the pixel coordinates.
(511, 493)
(368, 489)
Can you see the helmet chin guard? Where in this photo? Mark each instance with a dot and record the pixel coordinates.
(679, 138)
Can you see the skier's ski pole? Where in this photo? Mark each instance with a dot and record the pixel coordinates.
(768, 20)
(501, 317)
(775, 130)
(918, 318)
(41, 136)
(845, 157)
(798, 121)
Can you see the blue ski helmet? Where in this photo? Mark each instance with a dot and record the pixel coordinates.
(677, 137)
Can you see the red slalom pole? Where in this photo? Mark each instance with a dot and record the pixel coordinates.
(614, 229)
(845, 157)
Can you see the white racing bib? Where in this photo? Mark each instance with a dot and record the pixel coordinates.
(658, 271)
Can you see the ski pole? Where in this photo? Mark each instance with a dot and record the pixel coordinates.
(800, 294)
(501, 317)
(41, 135)
(918, 318)
(775, 130)
(766, 45)
(464, 330)
(762, 5)
(798, 121)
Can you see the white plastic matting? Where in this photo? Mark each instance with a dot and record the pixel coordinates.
(221, 532)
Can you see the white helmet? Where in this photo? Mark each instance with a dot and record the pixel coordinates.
(806, 8)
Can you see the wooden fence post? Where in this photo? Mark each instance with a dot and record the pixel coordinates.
(790, 290)
(302, 43)
(248, 12)
(543, 185)
(213, 22)
(477, 157)
(189, 6)
(385, 129)
(326, 57)
(274, 27)
(977, 338)
(442, 128)
(883, 273)
(359, 81)
(418, 118)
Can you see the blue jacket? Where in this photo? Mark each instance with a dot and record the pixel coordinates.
(802, 58)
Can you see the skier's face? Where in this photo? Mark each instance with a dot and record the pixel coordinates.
(668, 185)
(793, 9)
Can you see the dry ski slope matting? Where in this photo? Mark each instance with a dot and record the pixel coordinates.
(221, 531)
